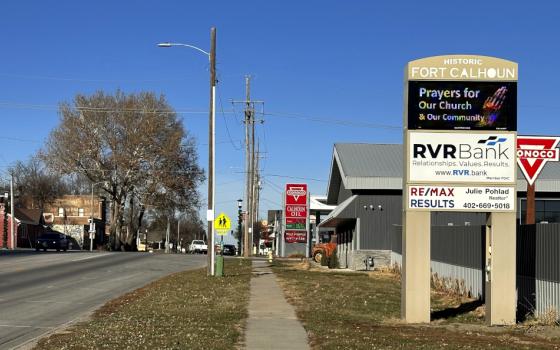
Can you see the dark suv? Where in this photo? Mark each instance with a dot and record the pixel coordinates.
(52, 240)
(229, 249)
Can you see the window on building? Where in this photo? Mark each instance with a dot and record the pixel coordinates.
(545, 210)
(60, 211)
(80, 211)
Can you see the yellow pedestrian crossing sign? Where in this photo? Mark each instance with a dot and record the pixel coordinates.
(222, 224)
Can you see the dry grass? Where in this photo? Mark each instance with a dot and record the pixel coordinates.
(549, 317)
(362, 311)
(187, 310)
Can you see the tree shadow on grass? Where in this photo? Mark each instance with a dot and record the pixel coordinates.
(456, 311)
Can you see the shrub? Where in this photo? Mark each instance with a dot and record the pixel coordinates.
(324, 259)
(333, 260)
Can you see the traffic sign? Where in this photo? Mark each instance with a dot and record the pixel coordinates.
(222, 224)
(533, 152)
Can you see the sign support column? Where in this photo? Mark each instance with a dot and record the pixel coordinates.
(415, 293)
(500, 292)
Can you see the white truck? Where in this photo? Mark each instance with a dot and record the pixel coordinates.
(198, 247)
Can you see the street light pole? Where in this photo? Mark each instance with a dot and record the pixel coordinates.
(211, 152)
(91, 221)
(239, 222)
(211, 149)
(91, 226)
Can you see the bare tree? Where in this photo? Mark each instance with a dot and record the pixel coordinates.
(134, 147)
(35, 184)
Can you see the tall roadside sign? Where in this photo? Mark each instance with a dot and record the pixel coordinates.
(460, 123)
(296, 218)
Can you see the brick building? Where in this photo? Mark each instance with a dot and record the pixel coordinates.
(70, 215)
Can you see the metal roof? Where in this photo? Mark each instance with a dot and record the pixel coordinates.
(362, 166)
(319, 203)
(367, 160)
(344, 211)
(365, 166)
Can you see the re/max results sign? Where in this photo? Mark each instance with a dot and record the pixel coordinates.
(461, 198)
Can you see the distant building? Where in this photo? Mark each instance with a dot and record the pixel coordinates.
(70, 215)
(29, 224)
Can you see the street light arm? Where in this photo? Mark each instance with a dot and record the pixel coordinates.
(168, 44)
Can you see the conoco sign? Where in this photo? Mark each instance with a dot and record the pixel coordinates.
(296, 213)
(533, 152)
(296, 194)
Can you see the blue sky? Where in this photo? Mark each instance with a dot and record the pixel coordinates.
(314, 63)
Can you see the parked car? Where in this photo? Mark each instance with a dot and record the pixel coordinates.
(52, 240)
(229, 249)
(198, 246)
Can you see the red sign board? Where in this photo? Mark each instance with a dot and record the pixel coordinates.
(296, 213)
(533, 152)
(296, 194)
(295, 236)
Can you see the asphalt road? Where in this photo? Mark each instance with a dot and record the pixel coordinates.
(40, 292)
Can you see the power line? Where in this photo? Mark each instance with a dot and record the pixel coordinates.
(345, 122)
(274, 189)
(39, 77)
(225, 123)
(275, 185)
(287, 176)
(18, 139)
(271, 202)
(331, 121)
(14, 105)
(296, 177)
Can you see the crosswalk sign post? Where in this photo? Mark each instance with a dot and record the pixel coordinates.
(222, 224)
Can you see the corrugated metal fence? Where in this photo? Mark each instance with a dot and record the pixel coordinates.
(457, 259)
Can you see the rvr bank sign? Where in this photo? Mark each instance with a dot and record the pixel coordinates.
(458, 158)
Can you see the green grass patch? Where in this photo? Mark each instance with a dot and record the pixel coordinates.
(186, 310)
(362, 311)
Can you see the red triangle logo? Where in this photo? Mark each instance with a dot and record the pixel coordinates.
(533, 152)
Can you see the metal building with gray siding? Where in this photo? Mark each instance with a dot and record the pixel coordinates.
(365, 183)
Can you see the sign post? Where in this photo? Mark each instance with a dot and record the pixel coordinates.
(222, 224)
(460, 121)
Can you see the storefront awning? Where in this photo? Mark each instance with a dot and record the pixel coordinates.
(343, 212)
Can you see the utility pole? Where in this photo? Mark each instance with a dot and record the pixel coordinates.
(211, 152)
(257, 192)
(167, 231)
(12, 206)
(178, 230)
(252, 189)
(255, 198)
(249, 165)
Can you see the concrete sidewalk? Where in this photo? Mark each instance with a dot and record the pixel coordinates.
(272, 322)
